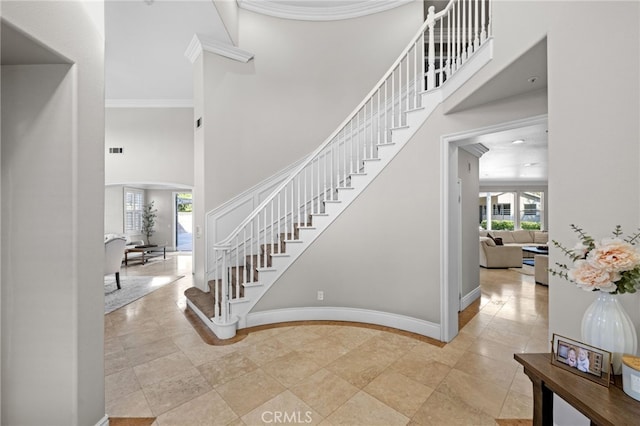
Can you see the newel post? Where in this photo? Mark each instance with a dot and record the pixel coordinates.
(221, 292)
(431, 50)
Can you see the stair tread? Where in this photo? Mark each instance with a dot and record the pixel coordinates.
(203, 301)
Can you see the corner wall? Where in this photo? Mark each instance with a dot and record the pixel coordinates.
(53, 165)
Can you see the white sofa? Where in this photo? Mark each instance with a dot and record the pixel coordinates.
(494, 256)
(510, 254)
(520, 238)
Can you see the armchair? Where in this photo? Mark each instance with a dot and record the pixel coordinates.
(113, 254)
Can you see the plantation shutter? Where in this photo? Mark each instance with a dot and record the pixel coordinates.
(133, 207)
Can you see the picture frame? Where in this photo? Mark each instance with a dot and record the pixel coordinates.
(581, 359)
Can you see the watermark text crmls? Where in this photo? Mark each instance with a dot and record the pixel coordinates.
(287, 417)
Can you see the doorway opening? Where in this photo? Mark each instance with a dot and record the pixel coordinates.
(452, 236)
(184, 221)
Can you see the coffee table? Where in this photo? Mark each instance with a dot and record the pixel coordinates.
(145, 253)
(535, 250)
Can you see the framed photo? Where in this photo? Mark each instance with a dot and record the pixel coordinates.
(582, 359)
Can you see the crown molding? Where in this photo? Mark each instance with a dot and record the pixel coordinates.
(200, 43)
(477, 149)
(319, 13)
(148, 103)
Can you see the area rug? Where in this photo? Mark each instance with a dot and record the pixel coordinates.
(133, 288)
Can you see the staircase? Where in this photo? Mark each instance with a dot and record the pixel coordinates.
(448, 48)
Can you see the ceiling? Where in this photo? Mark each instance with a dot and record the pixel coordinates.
(145, 66)
(507, 163)
(145, 46)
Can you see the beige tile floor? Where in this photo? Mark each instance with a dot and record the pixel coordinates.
(156, 365)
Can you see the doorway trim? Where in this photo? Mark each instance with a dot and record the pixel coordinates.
(450, 210)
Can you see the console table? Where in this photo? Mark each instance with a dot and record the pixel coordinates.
(603, 406)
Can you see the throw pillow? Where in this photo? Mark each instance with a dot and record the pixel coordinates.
(497, 240)
(487, 241)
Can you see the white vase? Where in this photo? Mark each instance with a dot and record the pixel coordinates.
(606, 325)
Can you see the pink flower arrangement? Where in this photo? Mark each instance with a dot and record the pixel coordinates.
(610, 264)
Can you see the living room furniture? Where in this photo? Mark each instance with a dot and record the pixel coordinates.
(603, 406)
(144, 253)
(541, 269)
(113, 252)
(494, 256)
(529, 253)
(520, 238)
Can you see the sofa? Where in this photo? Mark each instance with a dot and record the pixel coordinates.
(509, 254)
(520, 238)
(495, 256)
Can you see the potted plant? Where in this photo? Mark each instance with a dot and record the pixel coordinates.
(149, 215)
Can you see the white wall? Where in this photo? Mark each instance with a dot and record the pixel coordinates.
(468, 172)
(305, 79)
(157, 142)
(114, 209)
(383, 252)
(165, 222)
(52, 165)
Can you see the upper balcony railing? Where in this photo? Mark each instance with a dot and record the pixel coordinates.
(441, 46)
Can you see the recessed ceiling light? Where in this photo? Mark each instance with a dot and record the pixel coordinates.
(529, 164)
(518, 141)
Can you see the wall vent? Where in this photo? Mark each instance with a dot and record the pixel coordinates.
(115, 150)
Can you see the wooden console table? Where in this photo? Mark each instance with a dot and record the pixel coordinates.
(603, 406)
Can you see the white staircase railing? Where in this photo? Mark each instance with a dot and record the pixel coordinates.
(442, 45)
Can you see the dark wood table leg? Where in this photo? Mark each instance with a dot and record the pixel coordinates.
(542, 402)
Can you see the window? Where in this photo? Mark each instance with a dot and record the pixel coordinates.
(133, 208)
(512, 210)
(502, 209)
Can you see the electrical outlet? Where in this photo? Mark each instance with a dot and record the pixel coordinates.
(320, 295)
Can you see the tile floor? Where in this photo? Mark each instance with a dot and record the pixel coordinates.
(156, 365)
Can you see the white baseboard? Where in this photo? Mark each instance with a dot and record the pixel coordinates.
(469, 298)
(103, 421)
(401, 322)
